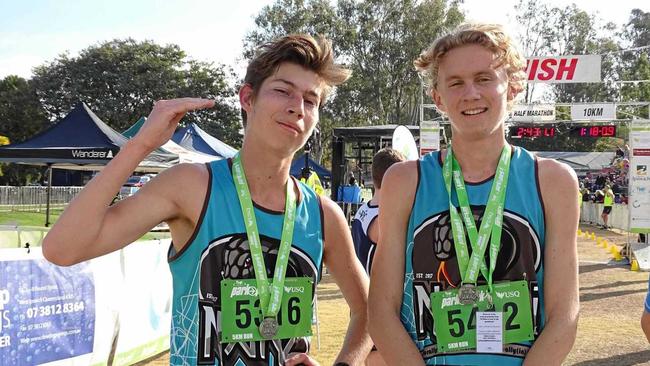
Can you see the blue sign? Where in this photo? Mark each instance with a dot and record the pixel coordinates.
(47, 313)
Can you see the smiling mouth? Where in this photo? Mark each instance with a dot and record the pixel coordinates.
(290, 127)
(473, 112)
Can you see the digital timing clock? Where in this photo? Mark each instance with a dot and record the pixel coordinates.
(550, 131)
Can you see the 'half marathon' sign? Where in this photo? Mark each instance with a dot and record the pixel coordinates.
(593, 112)
(564, 69)
(533, 112)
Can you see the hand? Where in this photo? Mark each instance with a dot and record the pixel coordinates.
(164, 118)
(301, 359)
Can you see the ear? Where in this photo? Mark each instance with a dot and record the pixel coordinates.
(437, 99)
(246, 97)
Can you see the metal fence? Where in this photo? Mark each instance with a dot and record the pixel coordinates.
(34, 199)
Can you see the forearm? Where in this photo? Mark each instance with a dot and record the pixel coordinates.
(357, 343)
(554, 344)
(394, 344)
(88, 209)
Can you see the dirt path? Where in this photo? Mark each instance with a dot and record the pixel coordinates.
(611, 303)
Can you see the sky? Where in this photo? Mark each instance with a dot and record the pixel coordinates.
(36, 31)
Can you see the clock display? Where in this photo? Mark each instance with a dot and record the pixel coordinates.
(550, 131)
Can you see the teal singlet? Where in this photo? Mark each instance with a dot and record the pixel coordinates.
(219, 249)
(431, 259)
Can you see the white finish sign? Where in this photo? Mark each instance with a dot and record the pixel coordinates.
(593, 112)
(564, 69)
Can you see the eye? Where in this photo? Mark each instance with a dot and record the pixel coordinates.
(484, 79)
(455, 83)
(281, 91)
(311, 103)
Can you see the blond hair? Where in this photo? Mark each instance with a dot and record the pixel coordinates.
(491, 36)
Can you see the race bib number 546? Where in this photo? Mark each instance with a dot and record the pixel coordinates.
(455, 324)
(241, 314)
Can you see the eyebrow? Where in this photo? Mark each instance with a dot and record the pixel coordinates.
(309, 92)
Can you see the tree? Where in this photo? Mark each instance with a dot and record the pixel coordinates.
(553, 31)
(636, 64)
(120, 80)
(21, 116)
(377, 39)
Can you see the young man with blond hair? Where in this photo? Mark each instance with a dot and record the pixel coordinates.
(477, 261)
(248, 241)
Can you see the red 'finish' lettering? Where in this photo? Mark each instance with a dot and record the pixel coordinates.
(568, 69)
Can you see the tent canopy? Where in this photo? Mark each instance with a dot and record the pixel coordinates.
(184, 155)
(299, 163)
(80, 141)
(195, 139)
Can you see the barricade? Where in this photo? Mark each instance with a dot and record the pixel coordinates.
(73, 315)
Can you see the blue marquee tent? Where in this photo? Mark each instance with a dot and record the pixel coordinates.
(195, 139)
(299, 163)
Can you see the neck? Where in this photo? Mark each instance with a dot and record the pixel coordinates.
(267, 174)
(478, 160)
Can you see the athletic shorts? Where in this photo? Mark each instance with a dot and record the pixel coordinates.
(607, 210)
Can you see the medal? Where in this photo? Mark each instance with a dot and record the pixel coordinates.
(269, 327)
(467, 294)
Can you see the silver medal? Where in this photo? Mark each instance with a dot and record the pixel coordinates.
(467, 294)
(268, 328)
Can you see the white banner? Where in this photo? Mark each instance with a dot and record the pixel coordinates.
(429, 137)
(593, 112)
(533, 112)
(639, 201)
(564, 69)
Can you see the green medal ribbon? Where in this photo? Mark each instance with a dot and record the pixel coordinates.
(270, 298)
(491, 224)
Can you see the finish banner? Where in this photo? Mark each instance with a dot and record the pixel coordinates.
(564, 69)
(639, 201)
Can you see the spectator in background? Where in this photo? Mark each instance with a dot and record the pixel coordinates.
(310, 178)
(608, 202)
(365, 227)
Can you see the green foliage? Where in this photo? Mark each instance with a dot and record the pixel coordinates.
(22, 116)
(377, 39)
(120, 80)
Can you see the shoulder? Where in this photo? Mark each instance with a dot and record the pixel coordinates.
(401, 175)
(557, 181)
(553, 173)
(181, 182)
(186, 173)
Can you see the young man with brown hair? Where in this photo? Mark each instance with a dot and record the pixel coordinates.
(438, 295)
(365, 230)
(239, 226)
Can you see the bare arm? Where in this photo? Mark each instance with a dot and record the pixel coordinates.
(386, 284)
(645, 324)
(559, 188)
(89, 227)
(343, 265)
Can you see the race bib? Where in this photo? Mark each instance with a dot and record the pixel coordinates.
(455, 324)
(241, 314)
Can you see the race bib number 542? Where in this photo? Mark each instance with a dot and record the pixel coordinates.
(455, 324)
(241, 314)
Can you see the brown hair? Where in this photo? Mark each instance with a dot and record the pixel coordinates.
(382, 160)
(314, 54)
(491, 36)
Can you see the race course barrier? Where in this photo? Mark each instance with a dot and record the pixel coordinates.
(618, 218)
(72, 315)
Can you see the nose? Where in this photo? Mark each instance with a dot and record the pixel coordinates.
(296, 106)
(471, 92)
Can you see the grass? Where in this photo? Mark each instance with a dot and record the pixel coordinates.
(27, 218)
(37, 219)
